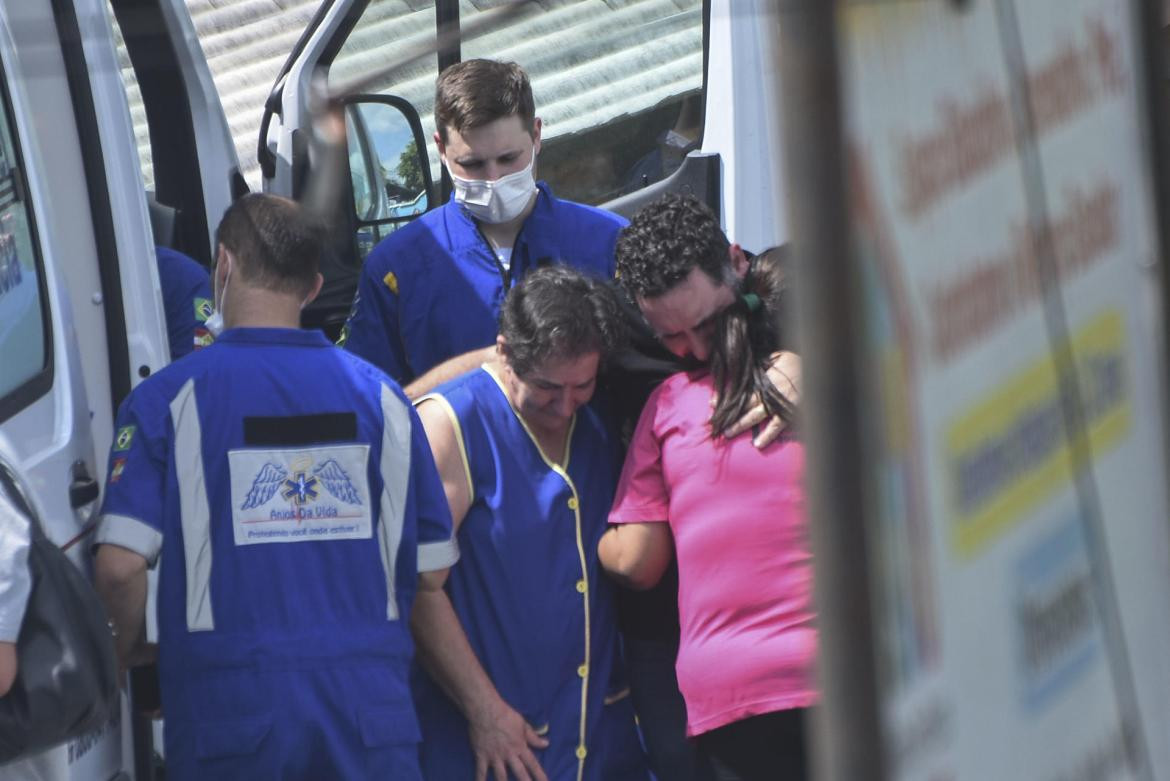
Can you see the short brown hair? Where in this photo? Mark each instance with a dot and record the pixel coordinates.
(472, 93)
(275, 243)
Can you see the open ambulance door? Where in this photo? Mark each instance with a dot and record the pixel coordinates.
(81, 316)
(191, 171)
(635, 100)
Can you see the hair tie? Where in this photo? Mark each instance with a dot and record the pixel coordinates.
(751, 301)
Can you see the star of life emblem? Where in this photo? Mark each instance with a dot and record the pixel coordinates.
(300, 495)
(300, 489)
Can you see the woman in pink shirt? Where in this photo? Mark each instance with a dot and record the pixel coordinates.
(735, 517)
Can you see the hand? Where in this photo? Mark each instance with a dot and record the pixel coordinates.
(502, 740)
(784, 373)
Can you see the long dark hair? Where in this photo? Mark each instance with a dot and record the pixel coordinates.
(743, 339)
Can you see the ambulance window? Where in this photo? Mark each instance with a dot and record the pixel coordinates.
(618, 85)
(24, 327)
(387, 27)
(134, 97)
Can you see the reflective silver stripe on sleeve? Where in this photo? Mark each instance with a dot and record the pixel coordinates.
(129, 533)
(194, 513)
(395, 471)
(437, 555)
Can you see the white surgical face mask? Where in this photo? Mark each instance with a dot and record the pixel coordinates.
(214, 322)
(502, 200)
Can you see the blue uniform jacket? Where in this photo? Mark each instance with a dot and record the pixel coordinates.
(186, 289)
(432, 290)
(289, 497)
(530, 594)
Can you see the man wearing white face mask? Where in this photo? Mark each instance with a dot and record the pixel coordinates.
(433, 289)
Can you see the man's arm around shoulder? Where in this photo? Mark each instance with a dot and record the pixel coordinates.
(449, 370)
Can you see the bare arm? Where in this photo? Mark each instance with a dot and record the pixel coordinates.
(785, 375)
(448, 370)
(445, 447)
(432, 580)
(444, 650)
(636, 554)
(120, 578)
(500, 737)
(7, 666)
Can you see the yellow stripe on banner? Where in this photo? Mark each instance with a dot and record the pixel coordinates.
(1010, 452)
(891, 23)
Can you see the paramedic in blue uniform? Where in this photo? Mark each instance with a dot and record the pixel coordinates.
(286, 489)
(521, 648)
(433, 289)
(186, 291)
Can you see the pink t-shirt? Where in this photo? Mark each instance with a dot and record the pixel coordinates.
(744, 564)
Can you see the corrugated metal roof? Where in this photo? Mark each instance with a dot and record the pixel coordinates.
(591, 61)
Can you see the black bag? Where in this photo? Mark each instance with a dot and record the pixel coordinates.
(66, 678)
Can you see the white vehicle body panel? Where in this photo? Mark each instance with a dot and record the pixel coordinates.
(742, 121)
(44, 440)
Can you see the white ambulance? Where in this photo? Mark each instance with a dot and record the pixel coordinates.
(638, 97)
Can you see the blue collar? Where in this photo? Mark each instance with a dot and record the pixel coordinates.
(538, 230)
(293, 337)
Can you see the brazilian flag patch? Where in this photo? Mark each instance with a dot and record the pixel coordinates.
(203, 309)
(124, 439)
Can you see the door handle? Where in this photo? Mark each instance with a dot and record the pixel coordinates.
(82, 492)
(84, 489)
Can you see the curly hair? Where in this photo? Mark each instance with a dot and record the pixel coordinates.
(665, 241)
(472, 93)
(557, 313)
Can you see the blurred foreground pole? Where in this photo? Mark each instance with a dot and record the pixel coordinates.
(1153, 17)
(846, 740)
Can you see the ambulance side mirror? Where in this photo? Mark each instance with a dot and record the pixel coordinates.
(389, 170)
